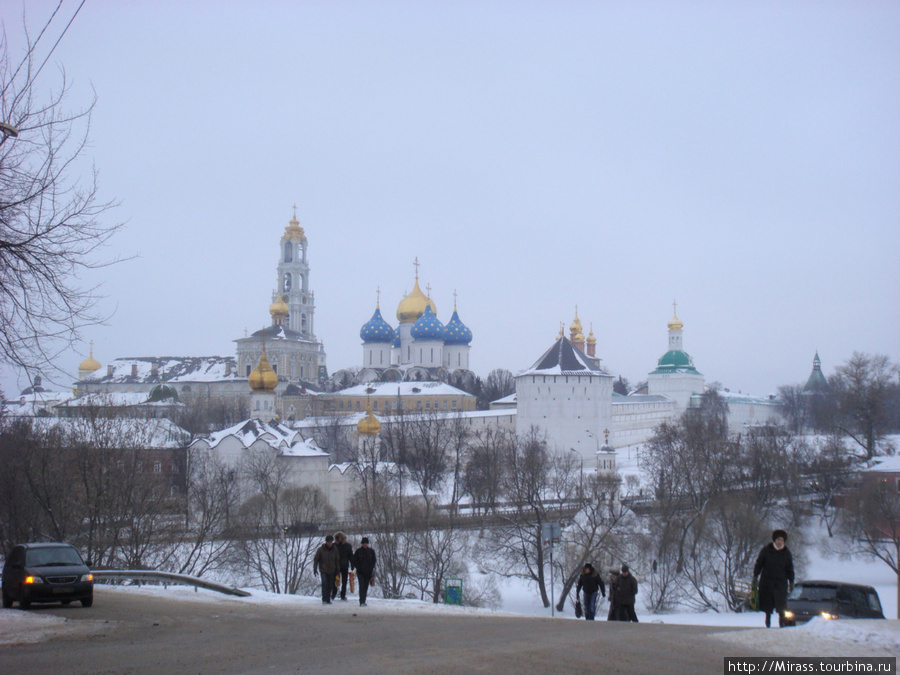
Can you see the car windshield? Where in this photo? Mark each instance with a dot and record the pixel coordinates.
(813, 593)
(47, 557)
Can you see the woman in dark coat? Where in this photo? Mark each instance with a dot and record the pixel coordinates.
(775, 570)
(613, 591)
(626, 589)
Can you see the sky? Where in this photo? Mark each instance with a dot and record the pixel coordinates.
(741, 158)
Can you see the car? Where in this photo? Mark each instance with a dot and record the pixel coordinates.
(46, 572)
(831, 600)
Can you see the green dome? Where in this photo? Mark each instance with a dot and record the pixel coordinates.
(675, 361)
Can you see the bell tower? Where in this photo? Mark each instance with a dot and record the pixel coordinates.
(293, 280)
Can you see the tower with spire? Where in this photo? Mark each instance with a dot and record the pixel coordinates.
(675, 375)
(294, 353)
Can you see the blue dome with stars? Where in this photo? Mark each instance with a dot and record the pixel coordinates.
(396, 342)
(428, 327)
(376, 329)
(457, 333)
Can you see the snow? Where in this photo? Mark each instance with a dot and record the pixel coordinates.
(819, 637)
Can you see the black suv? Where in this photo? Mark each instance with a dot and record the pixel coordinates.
(831, 600)
(46, 573)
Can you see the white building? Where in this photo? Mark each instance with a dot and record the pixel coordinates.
(568, 396)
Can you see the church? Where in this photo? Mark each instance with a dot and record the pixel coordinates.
(420, 348)
(567, 395)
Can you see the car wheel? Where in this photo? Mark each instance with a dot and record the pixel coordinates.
(7, 601)
(87, 602)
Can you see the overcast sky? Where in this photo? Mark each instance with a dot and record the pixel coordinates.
(742, 158)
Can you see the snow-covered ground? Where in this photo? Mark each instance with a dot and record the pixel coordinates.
(817, 638)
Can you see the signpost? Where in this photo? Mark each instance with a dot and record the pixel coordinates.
(550, 533)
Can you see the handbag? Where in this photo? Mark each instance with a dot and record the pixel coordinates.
(578, 612)
(753, 600)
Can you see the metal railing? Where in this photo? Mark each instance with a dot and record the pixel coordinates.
(168, 578)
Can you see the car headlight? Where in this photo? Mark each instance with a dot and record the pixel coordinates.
(33, 580)
(87, 577)
(788, 614)
(828, 615)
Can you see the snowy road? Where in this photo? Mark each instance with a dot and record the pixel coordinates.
(133, 633)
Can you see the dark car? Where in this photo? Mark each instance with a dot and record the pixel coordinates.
(46, 573)
(831, 600)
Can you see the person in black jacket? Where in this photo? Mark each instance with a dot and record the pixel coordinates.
(613, 614)
(775, 570)
(591, 581)
(625, 592)
(364, 560)
(346, 551)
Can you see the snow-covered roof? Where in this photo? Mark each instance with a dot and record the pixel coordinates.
(401, 389)
(506, 400)
(738, 397)
(153, 433)
(639, 398)
(171, 369)
(287, 441)
(114, 399)
(886, 464)
(564, 359)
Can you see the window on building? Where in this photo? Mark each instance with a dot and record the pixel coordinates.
(288, 252)
(453, 405)
(375, 405)
(427, 405)
(157, 467)
(286, 283)
(249, 369)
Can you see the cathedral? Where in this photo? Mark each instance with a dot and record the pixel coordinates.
(421, 348)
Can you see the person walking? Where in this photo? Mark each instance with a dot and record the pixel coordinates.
(775, 570)
(592, 584)
(625, 593)
(346, 550)
(327, 562)
(364, 560)
(613, 590)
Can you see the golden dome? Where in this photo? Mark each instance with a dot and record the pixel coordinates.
(413, 305)
(575, 328)
(368, 425)
(279, 308)
(293, 231)
(90, 364)
(675, 323)
(263, 378)
(591, 339)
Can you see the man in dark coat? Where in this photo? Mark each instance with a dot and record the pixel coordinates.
(613, 589)
(327, 562)
(592, 583)
(775, 570)
(346, 550)
(625, 594)
(364, 560)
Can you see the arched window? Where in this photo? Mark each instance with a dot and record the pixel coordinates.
(286, 284)
(288, 251)
(303, 322)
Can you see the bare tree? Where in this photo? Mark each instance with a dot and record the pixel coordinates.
(51, 222)
(594, 531)
(865, 387)
(266, 545)
(536, 485)
(498, 384)
(871, 524)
